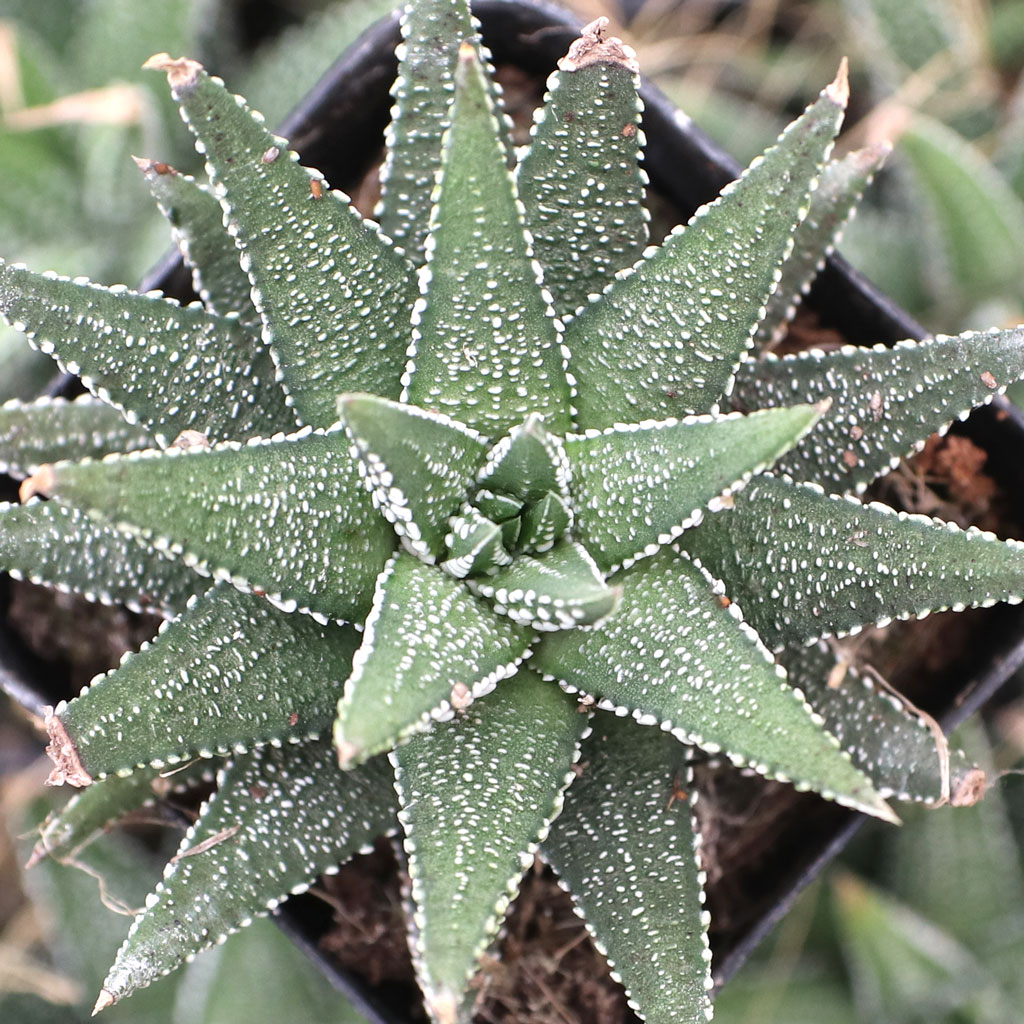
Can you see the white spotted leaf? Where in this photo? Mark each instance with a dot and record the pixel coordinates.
(418, 465)
(280, 817)
(255, 524)
(804, 565)
(48, 429)
(587, 132)
(625, 511)
(336, 315)
(486, 344)
(888, 739)
(231, 672)
(422, 94)
(666, 338)
(168, 367)
(429, 648)
(477, 797)
(560, 588)
(93, 810)
(625, 849)
(526, 464)
(65, 548)
(885, 401)
(674, 657)
(832, 204)
(197, 224)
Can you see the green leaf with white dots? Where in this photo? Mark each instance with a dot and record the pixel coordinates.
(65, 548)
(231, 673)
(560, 588)
(166, 366)
(280, 817)
(431, 33)
(197, 224)
(478, 795)
(885, 401)
(627, 853)
(805, 566)
(888, 739)
(624, 511)
(336, 316)
(674, 657)
(429, 649)
(486, 345)
(526, 464)
(274, 514)
(418, 465)
(667, 337)
(48, 429)
(832, 204)
(580, 180)
(92, 810)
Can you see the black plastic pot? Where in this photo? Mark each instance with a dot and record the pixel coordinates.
(339, 129)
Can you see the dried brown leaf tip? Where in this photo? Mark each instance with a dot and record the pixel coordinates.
(970, 789)
(67, 765)
(839, 90)
(593, 48)
(182, 72)
(152, 168)
(40, 482)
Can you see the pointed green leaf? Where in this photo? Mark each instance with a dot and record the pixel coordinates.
(885, 401)
(475, 545)
(832, 204)
(626, 851)
(197, 224)
(545, 522)
(231, 673)
(887, 739)
(333, 294)
(95, 808)
(274, 515)
(418, 464)
(580, 180)
(626, 511)
(279, 818)
(559, 589)
(804, 566)
(486, 345)
(62, 547)
(666, 338)
(427, 57)
(478, 795)
(49, 429)
(166, 366)
(674, 657)
(526, 464)
(429, 649)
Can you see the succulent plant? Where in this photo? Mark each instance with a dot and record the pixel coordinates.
(452, 517)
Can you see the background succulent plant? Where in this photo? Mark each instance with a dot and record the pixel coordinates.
(379, 474)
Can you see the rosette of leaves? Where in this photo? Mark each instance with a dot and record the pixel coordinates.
(452, 516)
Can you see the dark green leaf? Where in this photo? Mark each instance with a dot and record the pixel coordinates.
(429, 649)
(626, 851)
(674, 657)
(478, 795)
(486, 345)
(231, 673)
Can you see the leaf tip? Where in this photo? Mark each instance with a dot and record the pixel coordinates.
(152, 168)
(349, 754)
(839, 90)
(182, 72)
(970, 789)
(593, 48)
(443, 1006)
(67, 764)
(104, 1000)
(41, 482)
